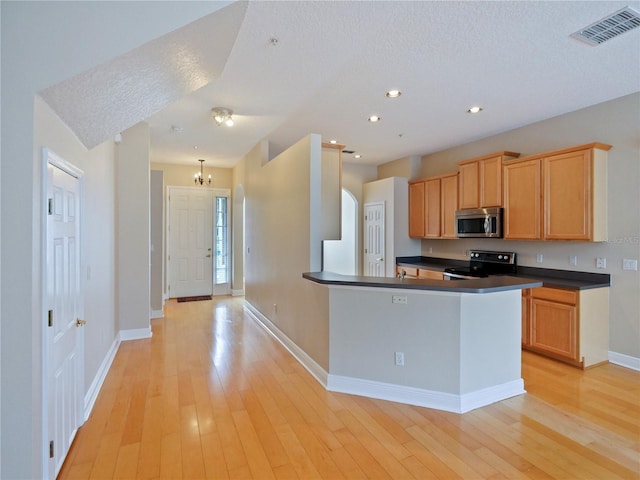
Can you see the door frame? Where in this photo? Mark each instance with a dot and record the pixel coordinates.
(49, 157)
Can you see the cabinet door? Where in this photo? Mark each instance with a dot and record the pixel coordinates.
(416, 210)
(526, 305)
(432, 208)
(468, 184)
(554, 328)
(567, 196)
(491, 182)
(448, 206)
(522, 201)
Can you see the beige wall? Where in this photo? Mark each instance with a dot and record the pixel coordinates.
(407, 167)
(133, 230)
(283, 240)
(616, 123)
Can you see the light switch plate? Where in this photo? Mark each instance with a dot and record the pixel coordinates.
(630, 264)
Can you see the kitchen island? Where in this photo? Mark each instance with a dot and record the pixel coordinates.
(449, 345)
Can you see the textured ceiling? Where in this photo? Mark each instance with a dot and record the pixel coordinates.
(332, 65)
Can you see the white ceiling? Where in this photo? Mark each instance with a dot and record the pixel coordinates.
(334, 61)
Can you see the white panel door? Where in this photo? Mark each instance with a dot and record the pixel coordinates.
(64, 337)
(190, 242)
(374, 241)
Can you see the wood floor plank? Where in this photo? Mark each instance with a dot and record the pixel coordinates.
(212, 395)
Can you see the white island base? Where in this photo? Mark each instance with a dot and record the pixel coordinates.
(461, 351)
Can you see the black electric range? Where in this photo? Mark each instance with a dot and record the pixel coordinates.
(483, 263)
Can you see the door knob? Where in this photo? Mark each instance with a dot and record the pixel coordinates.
(80, 323)
(208, 255)
(379, 259)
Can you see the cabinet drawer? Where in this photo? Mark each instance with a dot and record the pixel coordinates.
(569, 297)
(408, 271)
(431, 274)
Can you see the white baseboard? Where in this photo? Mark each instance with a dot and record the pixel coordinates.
(316, 371)
(135, 334)
(156, 314)
(96, 385)
(237, 293)
(387, 391)
(625, 360)
(425, 398)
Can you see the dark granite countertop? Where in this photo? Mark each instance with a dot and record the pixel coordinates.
(567, 279)
(498, 283)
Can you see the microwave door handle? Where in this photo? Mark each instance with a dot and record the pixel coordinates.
(487, 226)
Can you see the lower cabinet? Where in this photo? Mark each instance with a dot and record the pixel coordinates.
(568, 325)
(413, 272)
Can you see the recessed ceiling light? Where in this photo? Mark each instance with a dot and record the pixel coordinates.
(374, 118)
(357, 155)
(393, 93)
(475, 109)
(333, 142)
(195, 147)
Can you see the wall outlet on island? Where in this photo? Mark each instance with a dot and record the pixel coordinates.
(399, 358)
(539, 258)
(573, 260)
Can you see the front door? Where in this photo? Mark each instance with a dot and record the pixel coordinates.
(190, 241)
(64, 333)
(374, 240)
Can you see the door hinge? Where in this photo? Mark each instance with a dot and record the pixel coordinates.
(50, 206)
(50, 318)
(51, 451)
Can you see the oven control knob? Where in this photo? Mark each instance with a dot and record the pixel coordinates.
(499, 257)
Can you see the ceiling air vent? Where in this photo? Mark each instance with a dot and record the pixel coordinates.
(609, 27)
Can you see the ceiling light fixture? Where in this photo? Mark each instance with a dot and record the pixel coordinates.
(222, 115)
(199, 177)
(475, 109)
(393, 93)
(374, 118)
(357, 155)
(333, 142)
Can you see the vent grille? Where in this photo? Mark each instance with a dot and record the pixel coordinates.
(609, 27)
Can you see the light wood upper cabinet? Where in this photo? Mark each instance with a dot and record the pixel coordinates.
(448, 205)
(575, 196)
(491, 182)
(432, 205)
(560, 195)
(480, 183)
(432, 208)
(469, 185)
(522, 200)
(416, 209)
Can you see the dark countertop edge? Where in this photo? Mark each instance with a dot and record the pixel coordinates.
(566, 279)
(480, 285)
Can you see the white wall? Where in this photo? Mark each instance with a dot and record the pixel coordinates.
(341, 256)
(31, 62)
(616, 123)
(156, 205)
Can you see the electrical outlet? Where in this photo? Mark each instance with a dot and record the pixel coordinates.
(539, 258)
(573, 260)
(601, 262)
(399, 299)
(629, 264)
(399, 359)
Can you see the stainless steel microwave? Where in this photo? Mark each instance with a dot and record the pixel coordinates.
(480, 222)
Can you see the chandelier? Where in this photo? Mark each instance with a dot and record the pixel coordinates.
(199, 177)
(222, 115)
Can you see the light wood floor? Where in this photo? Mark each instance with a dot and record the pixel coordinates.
(212, 395)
